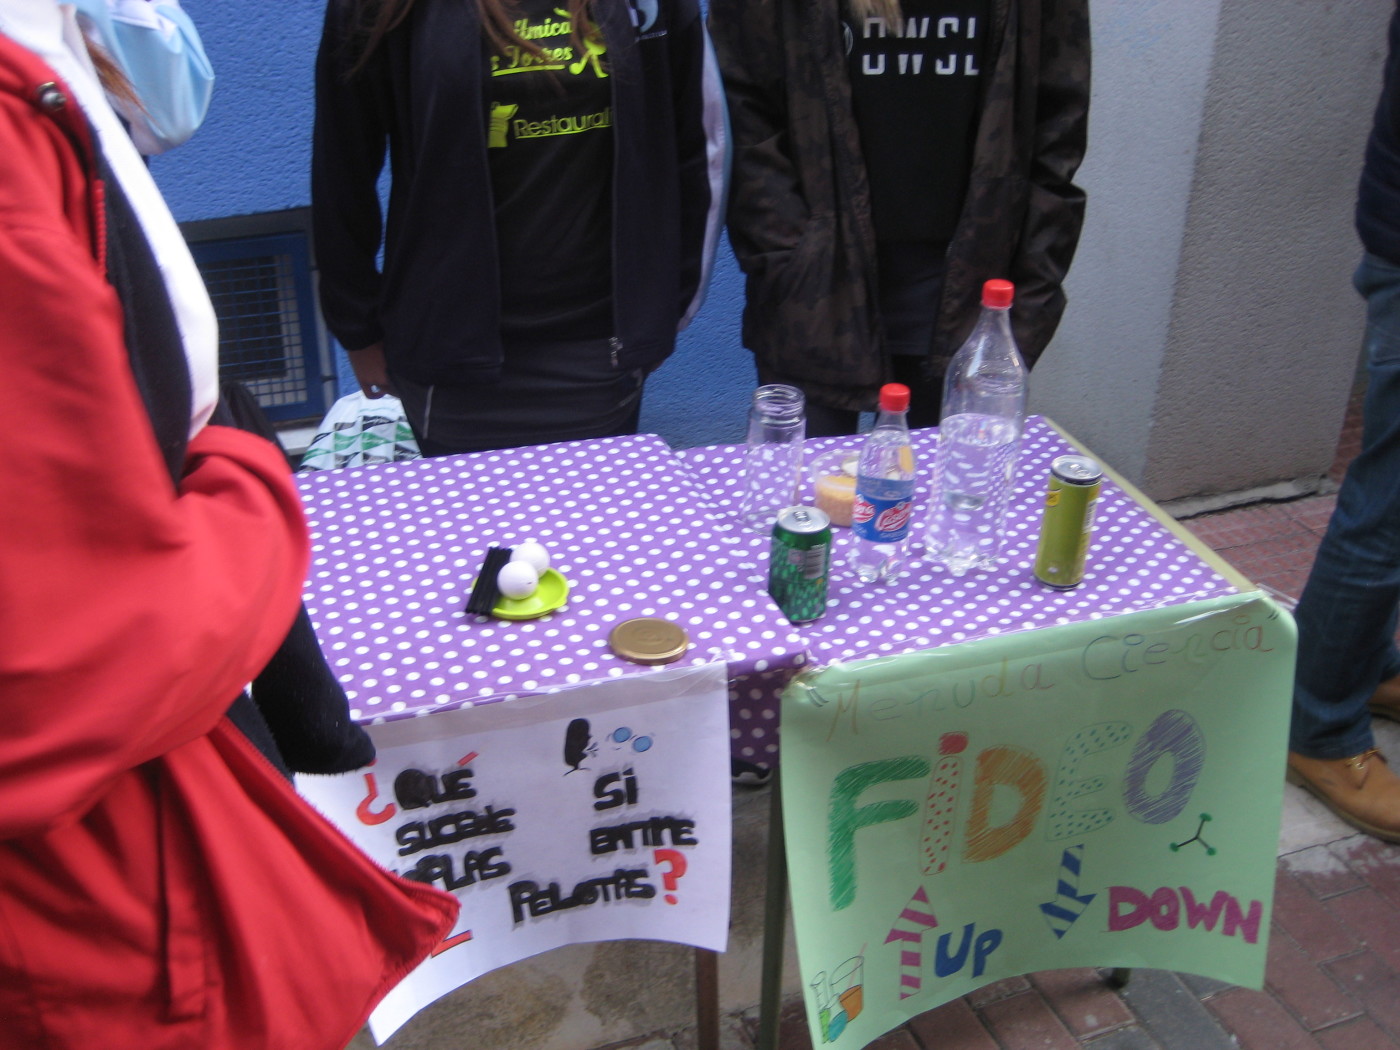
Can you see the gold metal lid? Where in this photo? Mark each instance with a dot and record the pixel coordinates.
(649, 640)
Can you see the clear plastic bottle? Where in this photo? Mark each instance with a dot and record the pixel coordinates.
(884, 491)
(979, 438)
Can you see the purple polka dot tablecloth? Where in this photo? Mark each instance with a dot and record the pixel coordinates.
(1135, 562)
(640, 530)
(396, 548)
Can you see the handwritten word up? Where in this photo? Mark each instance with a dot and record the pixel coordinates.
(946, 963)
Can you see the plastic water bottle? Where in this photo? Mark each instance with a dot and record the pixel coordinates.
(884, 491)
(979, 437)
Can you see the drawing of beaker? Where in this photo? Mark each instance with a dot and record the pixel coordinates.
(848, 983)
(837, 1025)
(822, 993)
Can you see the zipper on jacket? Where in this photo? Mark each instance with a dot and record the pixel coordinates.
(614, 348)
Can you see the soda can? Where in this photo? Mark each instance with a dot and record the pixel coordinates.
(1070, 499)
(799, 562)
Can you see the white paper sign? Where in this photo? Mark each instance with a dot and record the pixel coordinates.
(592, 814)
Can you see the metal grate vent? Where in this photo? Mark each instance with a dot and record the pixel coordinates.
(261, 290)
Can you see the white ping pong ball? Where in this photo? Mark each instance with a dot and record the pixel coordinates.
(518, 579)
(532, 553)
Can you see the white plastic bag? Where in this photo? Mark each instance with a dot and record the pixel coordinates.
(359, 431)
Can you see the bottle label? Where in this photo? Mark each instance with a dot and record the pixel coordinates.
(881, 509)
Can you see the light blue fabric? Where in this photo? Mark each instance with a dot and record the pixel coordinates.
(158, 48)
(1347, 615)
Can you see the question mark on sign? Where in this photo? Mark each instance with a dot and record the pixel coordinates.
(363, 811)
(670, 877)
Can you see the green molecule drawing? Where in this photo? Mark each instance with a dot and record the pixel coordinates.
(1210, 850)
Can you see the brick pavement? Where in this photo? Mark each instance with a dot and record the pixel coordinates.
(1332, 983)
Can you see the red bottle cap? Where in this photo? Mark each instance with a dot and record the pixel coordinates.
(894, 397)
(998, 294)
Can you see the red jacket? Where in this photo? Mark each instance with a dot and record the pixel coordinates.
(161, 886)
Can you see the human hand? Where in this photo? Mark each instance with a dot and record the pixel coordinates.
(371, 371)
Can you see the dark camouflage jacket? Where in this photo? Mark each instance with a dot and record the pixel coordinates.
(799, 202)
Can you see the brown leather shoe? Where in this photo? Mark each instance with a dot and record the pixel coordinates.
(1386, 701)
(1361, 789)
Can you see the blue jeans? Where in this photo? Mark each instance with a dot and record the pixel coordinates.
(1347, 614)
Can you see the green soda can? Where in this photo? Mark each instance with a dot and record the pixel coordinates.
(799, 562)
(1070, 500)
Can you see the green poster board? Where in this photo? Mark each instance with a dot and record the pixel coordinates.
(1095, 794)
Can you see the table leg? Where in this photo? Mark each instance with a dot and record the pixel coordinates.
(774, 925)
(706, 999)
(1118, 977)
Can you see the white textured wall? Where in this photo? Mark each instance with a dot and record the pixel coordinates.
(1099, 376)
(1266, 329)
(1211, 337)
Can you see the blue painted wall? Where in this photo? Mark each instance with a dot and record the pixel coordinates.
(253, 155)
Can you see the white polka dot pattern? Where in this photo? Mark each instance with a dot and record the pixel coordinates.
(395, 549)
(1134, 563)
(641, 531)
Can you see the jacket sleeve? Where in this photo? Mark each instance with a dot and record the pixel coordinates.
(1055, 211)
(702, 143)
(347, 154)
(133, 612)
(767, 211)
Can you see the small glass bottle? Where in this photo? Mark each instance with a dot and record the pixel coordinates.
(979, 438)
(884, 492)
(773, 455)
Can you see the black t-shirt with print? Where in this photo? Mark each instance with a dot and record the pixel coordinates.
(916, 89)
(550, 147)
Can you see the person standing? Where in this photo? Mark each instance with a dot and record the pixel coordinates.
(554, 201)
(1348, 665)
(162, 885)
(890, 157)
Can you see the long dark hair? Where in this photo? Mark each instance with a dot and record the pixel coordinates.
(376, 19)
